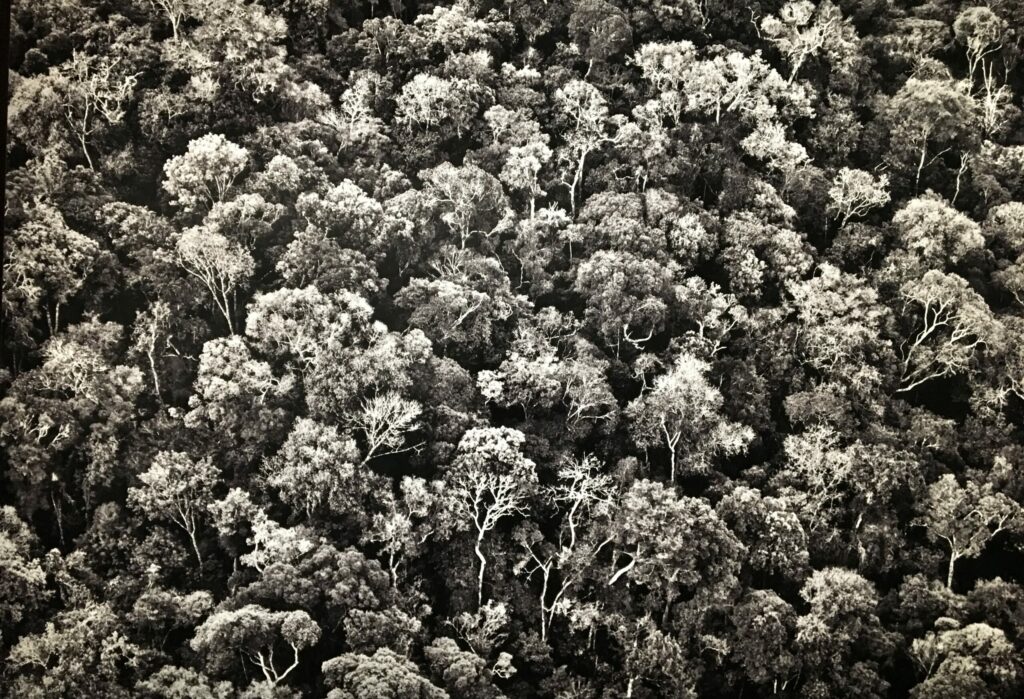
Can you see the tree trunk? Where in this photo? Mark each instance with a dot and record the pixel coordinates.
(393, 567)
(543, 609)
(156, 377)
(668, 609)
(920, 164)
(195, 546)
(85, 150)
(671, 441)
(959, 175)
(228, 308)
(58, 513)
(480, 576)
(796, 69)
(625, 569)
(53, 319)
(952, 569)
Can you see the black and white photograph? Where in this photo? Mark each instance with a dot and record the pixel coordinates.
(512, 349)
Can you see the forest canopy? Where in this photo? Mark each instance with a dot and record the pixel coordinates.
(569, 349)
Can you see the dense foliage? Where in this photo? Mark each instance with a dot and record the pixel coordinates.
(513, 348)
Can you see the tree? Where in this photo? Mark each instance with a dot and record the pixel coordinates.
(430, 102)
(367, 630)
(731, 82)
(768, 143)
(585, 111)
(354, 122)
(955, 322)
(62, 422)
(272, 544)
(145, 244)
(926, 112)
(80, 652)
(252, 633)
(756, 251)
(714, 313)
(587, 396)
(967, 517)
(676, 546)
(533, 251)
(585, 497)
(996, 110)
(412, 519)
(1004, 229)
(651, 656)
(22, 579)
(456, 28)
(489, 480)
(981, 31)
(1011, 366)
(624, 295)
(152, 334)
(318, 468)
(472, 200)
(820, 468)
(510, 128)
(220, 265)
(466, 307)
(775, 539)
(600, 30)
(530, 377)
(331, 585)
(346, 214)
(172, 682)
(221, 53)
(840, 638)
(666, 66)
(976, 658)
(178, 489)
(296, 323)
(997, 601)
(844, 326)
(161, 611)
(176, 12)
(801, 30)
(239, 400)
(314, 259)
(620, 222)
(918, 38)
(464, 674)
(765, 626)
(205, 173)
(46, 266)
(96, 88)
(522, 168)
(682, 412)
(855, 192)
(366, 361)
(384, 421)
(485, 630)
(938, 235)
(385, 674)
(424, 100)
